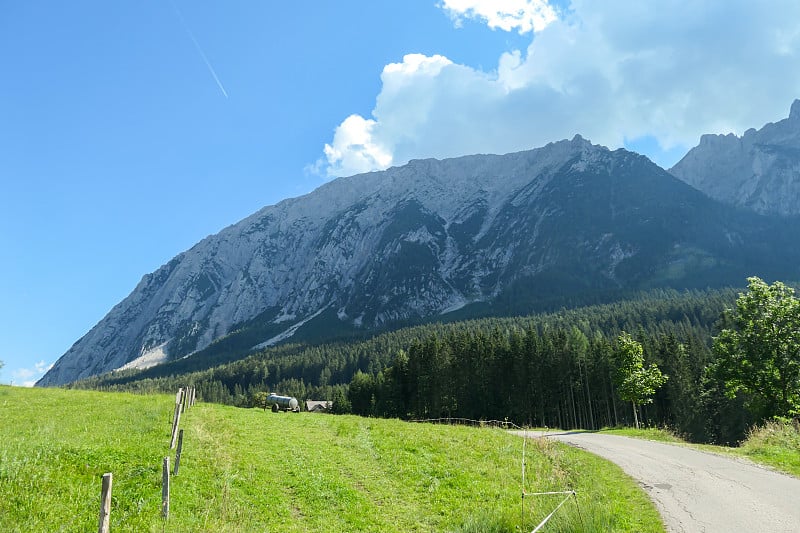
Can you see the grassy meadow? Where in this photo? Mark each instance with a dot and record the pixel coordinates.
(250, 470)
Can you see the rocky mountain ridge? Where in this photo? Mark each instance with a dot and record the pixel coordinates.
(759, 170)
(297, 257)
(429, 238)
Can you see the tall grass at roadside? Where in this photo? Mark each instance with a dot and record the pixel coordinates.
(776, 444)
(248, 470)
(655, 434)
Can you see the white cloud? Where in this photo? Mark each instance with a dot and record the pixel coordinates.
(611, 71)
(29, 376)
(356, 146)
(354, 149)
(24, 373)
(509, 15)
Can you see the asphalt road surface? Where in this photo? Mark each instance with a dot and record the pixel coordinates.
(697, 491)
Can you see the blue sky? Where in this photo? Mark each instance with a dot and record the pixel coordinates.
(131, 130)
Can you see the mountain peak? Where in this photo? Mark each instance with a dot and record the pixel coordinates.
(794, 112)
(369, 251)
(759, 171)
(585, 144)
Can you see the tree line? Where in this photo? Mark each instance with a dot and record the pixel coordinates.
(558, 369)
(562, 377)
(552, 378)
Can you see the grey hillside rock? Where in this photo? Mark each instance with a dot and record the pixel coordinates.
(759, 170)
(314, 253)
(502, 232)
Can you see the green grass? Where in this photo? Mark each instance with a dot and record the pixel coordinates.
(55, 446)
(656, 434)
(776, 444)
(249, 470)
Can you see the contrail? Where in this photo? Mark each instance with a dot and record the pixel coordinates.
(199, 50)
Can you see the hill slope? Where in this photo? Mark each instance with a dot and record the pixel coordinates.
(249, 470)
(422, 240)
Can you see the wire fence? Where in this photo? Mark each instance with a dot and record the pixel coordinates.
(503, 424)
(506, 424)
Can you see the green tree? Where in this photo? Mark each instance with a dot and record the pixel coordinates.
(635, 383)
(362, 394)
(759, 353)
(259, 399)
(340, 405)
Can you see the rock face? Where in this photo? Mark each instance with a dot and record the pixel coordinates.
(430, 238)
(758, 171)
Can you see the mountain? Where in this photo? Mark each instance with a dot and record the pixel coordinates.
(758, 171)
(482, 234)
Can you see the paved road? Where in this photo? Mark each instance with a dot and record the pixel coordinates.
(698, 491)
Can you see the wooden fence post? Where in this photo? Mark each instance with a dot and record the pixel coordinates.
(105, 505)
(184, 396)
(181, 395)
(165, 489)
(175, 426)
(177, 418)
(177, 402)
(178, 452)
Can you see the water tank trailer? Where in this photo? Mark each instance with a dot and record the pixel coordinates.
(283, 403)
